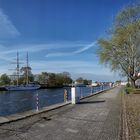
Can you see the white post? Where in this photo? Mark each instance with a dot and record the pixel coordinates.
(74, 96)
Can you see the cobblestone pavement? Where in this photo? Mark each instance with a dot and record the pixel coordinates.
(95, 118)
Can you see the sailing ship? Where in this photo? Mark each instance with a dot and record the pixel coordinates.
(23, 87)
(27, 86)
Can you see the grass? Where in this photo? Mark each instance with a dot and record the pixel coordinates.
(130, 90)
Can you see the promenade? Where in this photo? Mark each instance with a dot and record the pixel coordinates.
(95, 118)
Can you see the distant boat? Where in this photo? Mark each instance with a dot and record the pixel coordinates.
(27, 86)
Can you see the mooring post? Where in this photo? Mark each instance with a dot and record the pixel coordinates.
(91, 90)
(37, 102)
(75, 96)
(65, 95)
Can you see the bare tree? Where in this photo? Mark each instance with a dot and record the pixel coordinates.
(121, 49)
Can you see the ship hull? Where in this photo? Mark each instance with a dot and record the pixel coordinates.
(22, 88)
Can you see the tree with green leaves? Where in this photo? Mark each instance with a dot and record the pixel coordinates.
(80, 80)
(59, 79)
(27, 75)
(5, 80)
(121, 48)
(43, 78)
(66, 78)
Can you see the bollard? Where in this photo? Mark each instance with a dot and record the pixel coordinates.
(37, 102)
(91, 90)
(75, 96)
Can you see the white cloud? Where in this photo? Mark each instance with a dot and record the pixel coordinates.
(7, 29)
(85, 48)
(24, 48)
(58, 54)
(71, 66)
(78, 51)
(52, 49)
(8, 53)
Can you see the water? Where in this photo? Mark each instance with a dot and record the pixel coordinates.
(12, 102)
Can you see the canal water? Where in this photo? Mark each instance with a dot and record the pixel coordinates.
(12, 102)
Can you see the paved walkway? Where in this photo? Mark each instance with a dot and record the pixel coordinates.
(95, 118)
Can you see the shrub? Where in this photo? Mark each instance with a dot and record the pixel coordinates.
(128, 85)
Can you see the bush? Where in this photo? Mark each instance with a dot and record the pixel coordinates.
(129, 90)
(128, 85)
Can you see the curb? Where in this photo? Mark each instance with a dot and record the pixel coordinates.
(125, 133)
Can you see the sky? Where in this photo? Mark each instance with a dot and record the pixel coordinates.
(59, 35)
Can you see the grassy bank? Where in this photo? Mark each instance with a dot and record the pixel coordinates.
(130, 90)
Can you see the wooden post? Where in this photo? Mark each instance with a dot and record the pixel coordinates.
(65, 95)
(37, 102)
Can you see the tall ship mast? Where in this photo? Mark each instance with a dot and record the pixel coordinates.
(27, 69)
(17, 69)
(16, 73)
(27, 86)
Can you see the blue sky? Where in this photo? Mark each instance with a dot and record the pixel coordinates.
(60, 35)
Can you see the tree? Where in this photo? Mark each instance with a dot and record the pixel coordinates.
(66, 78)
(4, 79)
(52, 80)
(86, 82)
(27, 75)
(59, 79)
(121, 49)
(43, 78)
(79, 80)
